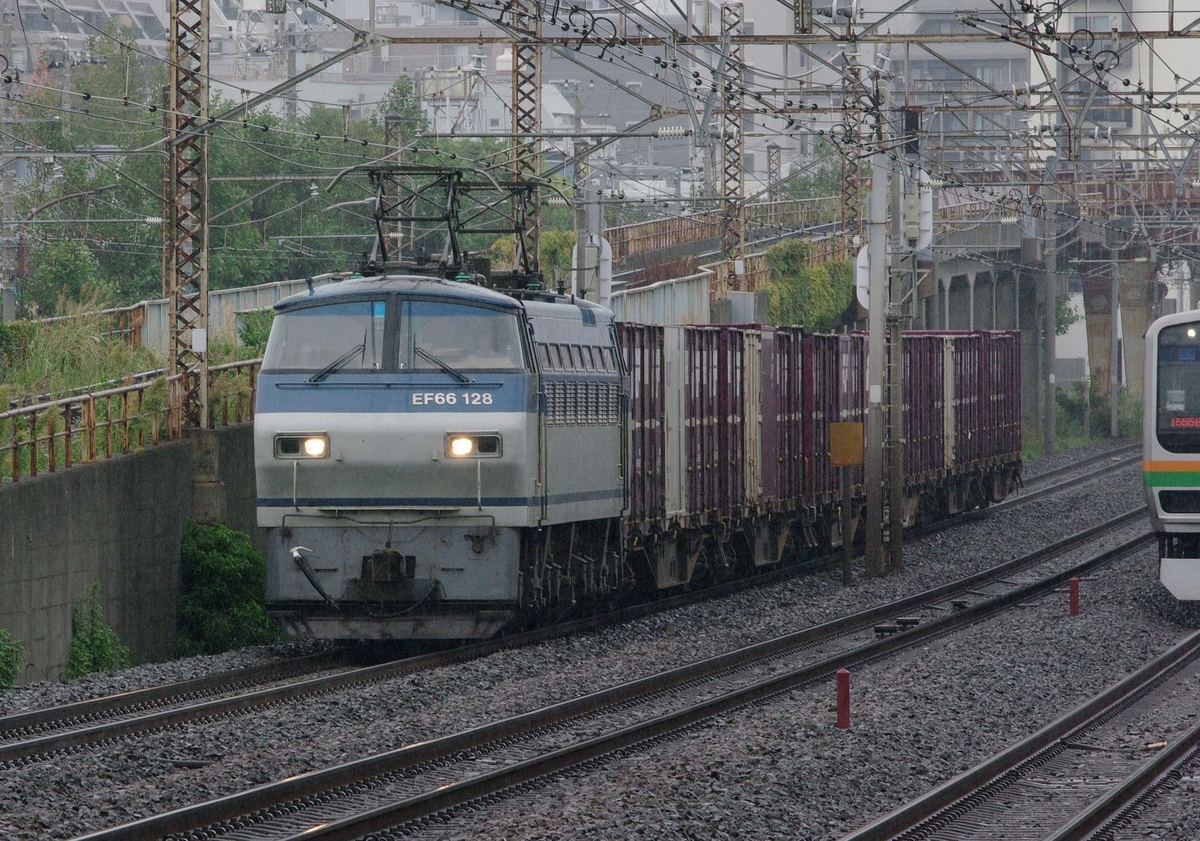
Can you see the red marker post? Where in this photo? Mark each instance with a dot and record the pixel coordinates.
(1074, 596)
(843, 699)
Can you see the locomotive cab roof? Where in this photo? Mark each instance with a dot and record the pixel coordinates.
(433, 287)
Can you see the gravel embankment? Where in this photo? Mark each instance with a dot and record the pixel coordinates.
(774, 771)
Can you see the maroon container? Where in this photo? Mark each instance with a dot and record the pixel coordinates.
(642, 348)
(782, 418)
(714, 443)
(924, 408)
(835, 390)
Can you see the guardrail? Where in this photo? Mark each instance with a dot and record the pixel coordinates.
(58, 434)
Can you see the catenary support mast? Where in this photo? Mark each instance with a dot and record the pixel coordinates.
(187, 182)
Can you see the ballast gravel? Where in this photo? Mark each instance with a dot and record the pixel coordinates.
(776, 770)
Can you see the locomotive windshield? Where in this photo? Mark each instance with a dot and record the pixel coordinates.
(327, 338)
(456, 338)
(1178, 410)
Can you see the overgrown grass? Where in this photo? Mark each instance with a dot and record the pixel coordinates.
(59, 357)
(1076, 411)
(95, 647)
(43, 361)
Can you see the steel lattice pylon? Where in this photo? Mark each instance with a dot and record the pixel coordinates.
(733, 211)
(851, 147)
(526, 123)
(774, 176)
(187, 201)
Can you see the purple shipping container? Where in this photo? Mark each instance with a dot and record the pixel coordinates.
(713, 419)
(782, 418)
(642, 347)
(924, 408)
(834, 389)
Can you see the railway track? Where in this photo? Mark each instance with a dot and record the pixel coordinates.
(39, 734)
(414, 785)
(1076, 777)
(1064, 477)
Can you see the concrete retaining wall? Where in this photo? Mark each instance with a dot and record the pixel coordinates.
(117, 523)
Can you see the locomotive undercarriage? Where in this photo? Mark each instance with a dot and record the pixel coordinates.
(567, 564)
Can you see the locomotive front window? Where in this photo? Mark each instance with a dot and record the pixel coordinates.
(460, 337)
(325, 339)
(1178, 410)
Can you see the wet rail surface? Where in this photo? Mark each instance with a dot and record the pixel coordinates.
(412, 786)
(1076, 777)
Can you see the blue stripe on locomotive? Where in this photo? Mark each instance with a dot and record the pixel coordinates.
(395, 393)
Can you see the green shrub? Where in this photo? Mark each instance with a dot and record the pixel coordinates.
(95, 647)
(11, 659)
(222, 600)
(254, 329)
(813, 296)
(14, 339)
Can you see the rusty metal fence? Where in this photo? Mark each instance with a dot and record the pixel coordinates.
(643, 237)
(84, 428)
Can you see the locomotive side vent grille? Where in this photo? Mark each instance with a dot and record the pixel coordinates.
(583, 403)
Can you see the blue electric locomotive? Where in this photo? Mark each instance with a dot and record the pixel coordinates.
(434, 458)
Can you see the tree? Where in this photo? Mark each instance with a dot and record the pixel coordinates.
(821, 178)
(402, 101)
(62, 269)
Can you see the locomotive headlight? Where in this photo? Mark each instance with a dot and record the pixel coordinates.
(472, 445)
(304, 445)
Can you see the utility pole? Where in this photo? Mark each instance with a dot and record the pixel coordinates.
(876, 337)
(589, 212)
(393, 140)
(8, 230)
(579, 177)
(1114, 381)
(1049, 314)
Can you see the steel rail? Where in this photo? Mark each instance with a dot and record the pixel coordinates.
(1088, 462)
(320, 783)
(133, 704)
(1156, 772)
(15, 724)
(1017, 499)
(505, 779)
(926, 809)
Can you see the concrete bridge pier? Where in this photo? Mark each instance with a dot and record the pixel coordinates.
(1136, 294)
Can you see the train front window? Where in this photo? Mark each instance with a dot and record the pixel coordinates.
(324, 339)
(1178, 410)
(449, 337)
